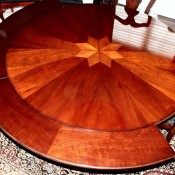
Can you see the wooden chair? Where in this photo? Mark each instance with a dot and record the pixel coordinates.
(151, 3)
(130, 9)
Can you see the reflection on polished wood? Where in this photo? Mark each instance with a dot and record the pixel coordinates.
(98, 95)
(80, 99)
(131, 10)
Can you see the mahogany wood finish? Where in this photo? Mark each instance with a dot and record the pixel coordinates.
(108, 149)
(77, 98)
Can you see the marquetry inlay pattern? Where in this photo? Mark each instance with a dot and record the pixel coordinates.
(99, 51)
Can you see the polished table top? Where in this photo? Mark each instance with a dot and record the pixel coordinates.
(70, 94)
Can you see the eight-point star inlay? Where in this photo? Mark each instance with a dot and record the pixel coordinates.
(99, 51)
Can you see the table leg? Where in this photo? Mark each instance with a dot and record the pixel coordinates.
(170, 129)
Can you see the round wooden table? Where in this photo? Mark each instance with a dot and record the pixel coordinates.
(69, 94)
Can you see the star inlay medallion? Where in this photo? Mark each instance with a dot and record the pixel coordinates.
(99, 51)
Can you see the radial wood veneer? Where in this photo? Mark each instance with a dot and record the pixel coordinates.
(77, 98)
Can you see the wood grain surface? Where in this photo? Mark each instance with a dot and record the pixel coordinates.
(76, 97)
(104, 150)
